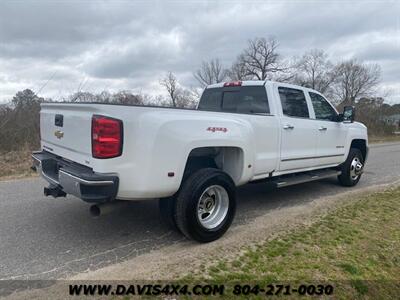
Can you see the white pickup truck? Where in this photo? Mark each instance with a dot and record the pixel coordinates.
(192, 159)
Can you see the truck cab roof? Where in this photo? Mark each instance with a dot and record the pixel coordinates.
(243, 83)
(259, 83)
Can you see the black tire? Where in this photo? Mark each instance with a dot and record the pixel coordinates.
(346, 178)
(186, 207)
(167, 212)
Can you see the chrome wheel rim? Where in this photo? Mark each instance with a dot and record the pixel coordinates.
(356, 167)
(212, 206)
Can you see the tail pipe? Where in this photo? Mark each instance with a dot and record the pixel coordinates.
(102, 209)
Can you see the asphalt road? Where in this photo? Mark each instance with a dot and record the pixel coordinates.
(46, 238)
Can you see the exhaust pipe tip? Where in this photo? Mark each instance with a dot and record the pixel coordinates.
(101, 209)
(95, 211)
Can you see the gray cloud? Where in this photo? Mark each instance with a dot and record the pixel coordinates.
(380, 51)
(130, 45)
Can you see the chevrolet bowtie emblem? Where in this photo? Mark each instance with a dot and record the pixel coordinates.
(59, 134)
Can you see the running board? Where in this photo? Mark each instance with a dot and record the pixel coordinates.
(305, 177)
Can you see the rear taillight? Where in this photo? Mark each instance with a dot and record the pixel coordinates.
(106, 137)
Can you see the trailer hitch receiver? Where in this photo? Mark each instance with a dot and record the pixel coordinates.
(54, 191)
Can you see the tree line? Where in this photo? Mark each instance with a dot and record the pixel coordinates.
(344, 81)
(347, 82)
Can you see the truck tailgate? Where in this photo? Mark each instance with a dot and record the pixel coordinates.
(65, 130)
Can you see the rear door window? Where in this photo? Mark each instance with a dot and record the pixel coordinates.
(294, 103)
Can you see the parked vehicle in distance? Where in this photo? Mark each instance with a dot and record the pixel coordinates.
(192, 160)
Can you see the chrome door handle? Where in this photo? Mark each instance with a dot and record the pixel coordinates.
(322, 128)
(288, 126)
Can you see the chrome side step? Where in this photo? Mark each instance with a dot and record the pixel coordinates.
(305, 177)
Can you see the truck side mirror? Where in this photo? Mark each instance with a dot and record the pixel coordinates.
(349, 113)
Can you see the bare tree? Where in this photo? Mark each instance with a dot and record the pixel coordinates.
(238, 71)
(259, 60)
(314, 70)
(104, 96)
(82, 97)
(170, 83)
(355, 80)
(127, 98)
(210, 72)
(187, 98)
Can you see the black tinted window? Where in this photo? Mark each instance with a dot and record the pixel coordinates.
(211, 100)
(247, 99)
(230, 101)
(294, 102)
(253, 99)
(323, 110)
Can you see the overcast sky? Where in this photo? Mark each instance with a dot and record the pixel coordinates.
(56, 47)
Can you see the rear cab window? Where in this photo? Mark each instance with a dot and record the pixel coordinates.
(243, 99)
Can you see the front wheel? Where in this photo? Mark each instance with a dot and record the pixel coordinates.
(205, 205)
(352, 168)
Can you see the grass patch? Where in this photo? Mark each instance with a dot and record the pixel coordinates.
(356, 248)
(15, 164)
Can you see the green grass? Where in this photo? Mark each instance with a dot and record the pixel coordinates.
(356, 248)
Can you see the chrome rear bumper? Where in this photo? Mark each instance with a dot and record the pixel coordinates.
(75, 179)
